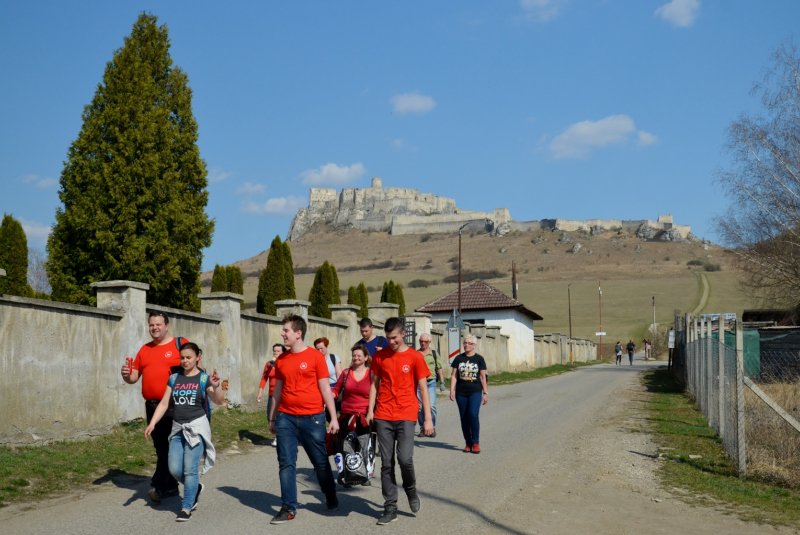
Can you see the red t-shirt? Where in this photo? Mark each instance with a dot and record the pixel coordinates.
(268, 375)
(355, 398)
(399, 374)
(154, 363)
(300, 372)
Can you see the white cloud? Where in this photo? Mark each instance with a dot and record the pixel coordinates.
(35, 232)
(412, 103)
(331, 174)
(39, 182)
(541, 10)
(218, 175)
(251, 189)
(27, 179)
(275, 206)
(403, 145)
(646, 138)
(578, 140)
(679, 13)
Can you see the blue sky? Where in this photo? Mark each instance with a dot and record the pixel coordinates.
(552, 108)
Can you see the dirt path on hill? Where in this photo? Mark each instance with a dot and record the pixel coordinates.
(558, 457)
(704, 297)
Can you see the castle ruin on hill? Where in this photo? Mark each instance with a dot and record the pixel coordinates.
(407, 211)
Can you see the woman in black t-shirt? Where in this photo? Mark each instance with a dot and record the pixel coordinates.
(468, 389)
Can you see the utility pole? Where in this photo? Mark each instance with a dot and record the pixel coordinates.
(569, 304)
(514, 280)
(655, 329)
(459, 266)
(600, 290)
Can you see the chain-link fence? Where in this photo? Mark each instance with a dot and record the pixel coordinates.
(747, 383)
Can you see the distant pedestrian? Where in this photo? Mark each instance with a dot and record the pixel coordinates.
(372, 341)
(647, 349)
(631, 347)
(302, 391)
(618, 352)
(434, 362)
(269, 376)
(190, 437)
(398, 371)
(469, 390)
(153, 364)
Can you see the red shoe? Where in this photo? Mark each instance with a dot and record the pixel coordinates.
(467, 449)
(476, 448)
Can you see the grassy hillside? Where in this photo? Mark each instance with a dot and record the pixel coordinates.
(632, 271)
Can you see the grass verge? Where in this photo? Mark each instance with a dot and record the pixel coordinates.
(710, 479)
(32, 473)
(507, 378)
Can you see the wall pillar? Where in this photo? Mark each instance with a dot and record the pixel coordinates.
(383, 311)
(226, 306)
(422, 322)
(131, 298)
(347, 314)
(293, 306)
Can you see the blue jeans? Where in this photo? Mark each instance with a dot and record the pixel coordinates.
(310, 432)
(183, 461)
(432, 396)
(469, 407)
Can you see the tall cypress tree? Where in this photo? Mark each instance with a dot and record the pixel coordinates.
(320, 294)
(219, 281)
(291, 293)
(236, 281)
(134, 186)
(14, 258)
(272, 284)
(336, 297)
(384, 292)
(352, 296)
(401, 299)
(363, 300)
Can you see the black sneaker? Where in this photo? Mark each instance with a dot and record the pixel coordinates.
(171, 492)
(183, 516)
(154, 494)
(413, 500)
(284, 515)
(200, 488)
(421, 434)
(367, 483)
(434, 434)
(389, 515)
(332, 502)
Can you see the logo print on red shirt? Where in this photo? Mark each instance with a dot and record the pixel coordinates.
(303, 365)
(168, 354)
(406, 368)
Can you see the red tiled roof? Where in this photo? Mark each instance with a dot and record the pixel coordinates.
(477, 295)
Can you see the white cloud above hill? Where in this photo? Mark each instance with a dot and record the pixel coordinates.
(332, 174)
(413, 103)
(275, 206)
(679, 13)
(578, 140)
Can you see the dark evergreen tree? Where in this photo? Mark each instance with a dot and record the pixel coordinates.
(219, 281)
(363, 300)
(401, 299)
(272, 284)
(291, 293)
(336, 297)
(134, 186)
(352, 296)
(320, 294)
(14, 258)
(384, 292)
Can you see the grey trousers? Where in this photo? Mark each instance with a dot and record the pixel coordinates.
(396, 436)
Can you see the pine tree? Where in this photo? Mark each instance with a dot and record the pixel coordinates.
(363, 300)
(14, 258)
(320, 294)
(336, 297)
(236, 280)
(384, 292)
(352, 296)
(291, 293)
(219, 281)
(272, 284)
(401, 300)
(134, 186)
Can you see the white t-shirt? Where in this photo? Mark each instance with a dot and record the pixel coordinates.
(331, 367)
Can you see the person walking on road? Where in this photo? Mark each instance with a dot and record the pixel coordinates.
(398, 371)
(433, 360)
(301, 393)
(372, 342)
(269, 376)
(190, 437)
(469, 390)
(618, 352)
(153, 364)
(631, 347)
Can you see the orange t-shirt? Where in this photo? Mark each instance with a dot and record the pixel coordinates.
(154, 363)
(399, 374)
(300, 372)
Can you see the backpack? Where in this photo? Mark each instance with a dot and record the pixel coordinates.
(203, 385)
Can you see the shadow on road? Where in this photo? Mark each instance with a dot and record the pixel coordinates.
(124, 480)
(424, 443)
(261, 501)
(254, 438)
(470, 510)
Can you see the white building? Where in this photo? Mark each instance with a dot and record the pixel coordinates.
(483, 304)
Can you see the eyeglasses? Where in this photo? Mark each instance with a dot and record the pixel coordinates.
(424, 341)
(469, 343)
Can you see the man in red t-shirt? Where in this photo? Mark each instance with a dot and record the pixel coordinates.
(153, 363)
(301, 390)
(398, 372)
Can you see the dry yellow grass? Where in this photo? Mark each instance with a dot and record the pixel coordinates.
(773, 446)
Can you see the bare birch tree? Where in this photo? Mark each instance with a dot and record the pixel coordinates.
(762, 225)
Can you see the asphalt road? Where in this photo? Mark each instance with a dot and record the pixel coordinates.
(526, 429)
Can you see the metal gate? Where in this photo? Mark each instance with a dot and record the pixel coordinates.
(410, 326)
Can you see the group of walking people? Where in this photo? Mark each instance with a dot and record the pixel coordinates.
(388, 389)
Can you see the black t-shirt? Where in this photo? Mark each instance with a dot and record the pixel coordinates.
(187, 398)
(630, 347)
(468, 376)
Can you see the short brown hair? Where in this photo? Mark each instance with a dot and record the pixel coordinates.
(323, 340)
(361, 347)
(298, 324)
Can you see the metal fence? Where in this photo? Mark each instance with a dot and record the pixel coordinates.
(750, 395)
